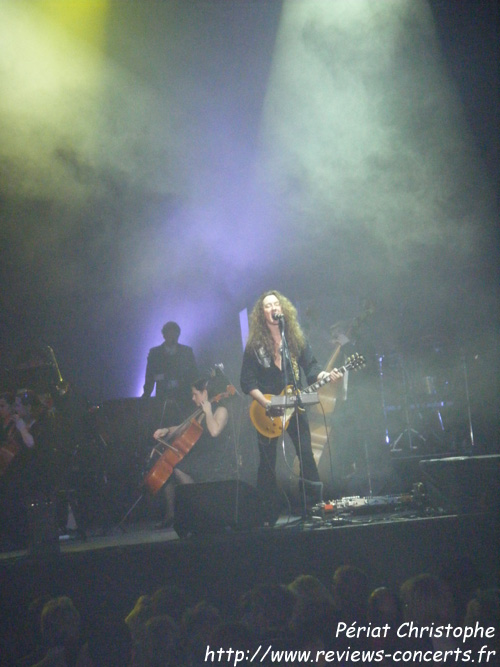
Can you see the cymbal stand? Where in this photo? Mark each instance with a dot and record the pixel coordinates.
(436, 404)
(467, 398)
(412, 434)
(382, 393)
(368, 466)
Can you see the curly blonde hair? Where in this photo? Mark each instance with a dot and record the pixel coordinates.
(259, 334)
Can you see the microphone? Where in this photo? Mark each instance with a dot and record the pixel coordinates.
(277, 317)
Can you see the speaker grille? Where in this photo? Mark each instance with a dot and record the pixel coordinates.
(213, 507)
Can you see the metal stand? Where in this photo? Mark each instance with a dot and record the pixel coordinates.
(121, 524)
(368, 468)
(285, 357)
(219, 370)
(408, 432)
(467, 398)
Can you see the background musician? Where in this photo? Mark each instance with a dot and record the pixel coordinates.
(172, 367)
(15, 444)
(11, 444)
(201, 463)
(262, 373)
(8, 425)
(29, 475)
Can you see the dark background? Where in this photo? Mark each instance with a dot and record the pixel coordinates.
(172, 160)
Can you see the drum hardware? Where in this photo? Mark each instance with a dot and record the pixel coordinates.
(467, 397)
(416, 399)
(412, 435)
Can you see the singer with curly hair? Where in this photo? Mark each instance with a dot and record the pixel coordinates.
(265, 371)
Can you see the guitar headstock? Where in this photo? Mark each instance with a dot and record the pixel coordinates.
(354, 362)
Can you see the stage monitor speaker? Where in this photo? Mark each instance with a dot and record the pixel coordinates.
(213, 507)
(463, 484)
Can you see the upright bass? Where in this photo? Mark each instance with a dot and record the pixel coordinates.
(327, 394)
(171, 450)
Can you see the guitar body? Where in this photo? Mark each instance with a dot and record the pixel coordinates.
(266, 424)
(327, 400)
(328, 393)
(271, 424)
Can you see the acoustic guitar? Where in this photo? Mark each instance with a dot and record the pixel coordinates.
(269, 422)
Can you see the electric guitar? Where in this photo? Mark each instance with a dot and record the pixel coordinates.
(269, 422)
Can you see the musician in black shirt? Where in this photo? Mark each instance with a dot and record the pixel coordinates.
(172, 367)
(263, 373)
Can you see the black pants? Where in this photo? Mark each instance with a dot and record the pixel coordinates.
(300, 434)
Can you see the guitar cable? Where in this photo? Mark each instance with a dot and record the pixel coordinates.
(299, 477)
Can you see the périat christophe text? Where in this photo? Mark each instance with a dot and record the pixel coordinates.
(461, 636)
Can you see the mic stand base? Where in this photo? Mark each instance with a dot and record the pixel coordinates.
(285, 356)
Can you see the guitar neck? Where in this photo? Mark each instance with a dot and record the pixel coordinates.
(320, 383)
(333, 358)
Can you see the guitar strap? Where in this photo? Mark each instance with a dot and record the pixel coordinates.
(296, 370)
(264, 359)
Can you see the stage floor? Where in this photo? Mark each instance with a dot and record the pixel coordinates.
(143, 532)
(390, 545)
(109, 572)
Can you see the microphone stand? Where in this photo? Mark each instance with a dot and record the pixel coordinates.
(286, 357)
(219, 370)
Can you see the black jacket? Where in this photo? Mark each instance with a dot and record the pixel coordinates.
(260, 372)
(172, 373)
